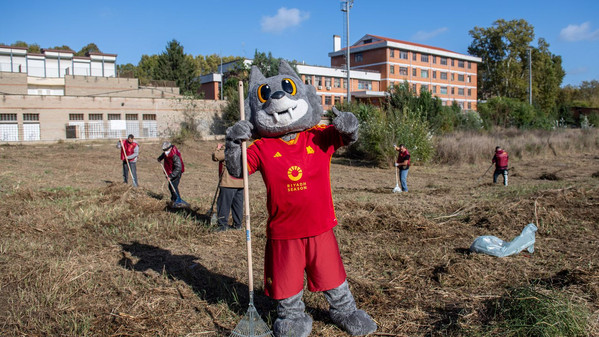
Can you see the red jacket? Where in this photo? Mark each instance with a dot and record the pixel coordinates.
(168, 161)
(403, 156)
(500, 159)
(129, 149)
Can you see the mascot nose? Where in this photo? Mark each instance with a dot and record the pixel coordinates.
(278, 94)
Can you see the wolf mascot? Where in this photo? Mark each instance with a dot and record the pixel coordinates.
(293, 153)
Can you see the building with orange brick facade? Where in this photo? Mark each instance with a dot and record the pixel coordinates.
(446, 74)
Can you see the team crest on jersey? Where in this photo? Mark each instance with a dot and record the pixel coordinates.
(277, 155)
(309, 149)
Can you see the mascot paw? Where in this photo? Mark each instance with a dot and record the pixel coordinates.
(358, 323)
(347, 124)
(293, 327)
(240, 131)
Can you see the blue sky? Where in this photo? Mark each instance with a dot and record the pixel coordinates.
(300, 30)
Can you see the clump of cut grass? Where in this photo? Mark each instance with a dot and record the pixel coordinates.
(534, 311)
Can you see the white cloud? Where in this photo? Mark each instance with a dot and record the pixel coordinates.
(423, 36)
(579, 33)
(285, 18)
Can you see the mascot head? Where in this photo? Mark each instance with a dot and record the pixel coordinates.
(281, 104)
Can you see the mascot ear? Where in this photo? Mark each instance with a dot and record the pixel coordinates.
(256, 75)
(285, 69)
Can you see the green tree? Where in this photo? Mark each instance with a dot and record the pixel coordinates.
(146, 68)
(174, 65)
(89, 48)
(504, 69)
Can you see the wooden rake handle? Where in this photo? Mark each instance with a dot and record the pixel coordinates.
(246, 196)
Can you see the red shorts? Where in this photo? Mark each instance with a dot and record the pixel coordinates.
(286, 260)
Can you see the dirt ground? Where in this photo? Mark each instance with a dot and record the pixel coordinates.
(84, 254)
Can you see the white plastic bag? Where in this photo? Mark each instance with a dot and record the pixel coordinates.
(493, 245)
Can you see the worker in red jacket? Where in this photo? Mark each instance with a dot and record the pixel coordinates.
(501, 161)
(174, 167)
(129, 154)
(403, 165)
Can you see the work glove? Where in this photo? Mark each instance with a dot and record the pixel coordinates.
(396, 164)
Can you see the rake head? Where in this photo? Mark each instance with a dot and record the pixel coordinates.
(396, 189)
(251, 325)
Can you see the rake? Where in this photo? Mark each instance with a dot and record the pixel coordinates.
(251, 324)
(211, 215)
(396, 189)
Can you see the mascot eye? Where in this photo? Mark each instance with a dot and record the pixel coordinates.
(289, 86)
(263, 92)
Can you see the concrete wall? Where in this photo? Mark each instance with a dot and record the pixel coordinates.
(54, 111)
(13, 83)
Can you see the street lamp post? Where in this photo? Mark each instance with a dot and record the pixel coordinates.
(530, 75)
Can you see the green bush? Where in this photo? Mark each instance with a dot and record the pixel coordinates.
(508, 112)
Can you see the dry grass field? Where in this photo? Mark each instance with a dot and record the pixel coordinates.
(82, 254)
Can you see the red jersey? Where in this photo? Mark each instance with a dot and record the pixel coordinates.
(297, 179)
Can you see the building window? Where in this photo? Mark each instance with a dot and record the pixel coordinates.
(8, 117)
(358, 57)
(149, 117)
(392, 69)
(443, 76)
(469, 105)
(319, 81)
(413, 71)
(308, 80)
(75, 117)
(114, 117)
(31, 117)
(434, 89)
(469, 92)
(337, 100)
(469, 67)
(424, 58)
(461, 91)
(94, 117)
(391, 53)
(434, 59)
(424, 73)
(414, 87)
(452, 62)
(131, 117)
(423, 88)
(461, 64)
(367, 85)
(434, 74)
(443, 91)
(337, 83)
(414, 56)
(452, 77)
(403, 71)
(327, 82)
(452, 90)
(403, 54)
(443, 61)
(460, 77)
(327, 100)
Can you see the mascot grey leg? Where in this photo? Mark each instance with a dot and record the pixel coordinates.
(344, 313)
(292, 321)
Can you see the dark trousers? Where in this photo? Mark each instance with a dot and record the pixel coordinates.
(175, 195)
(499, 172)
(133, 171)
(230, 199)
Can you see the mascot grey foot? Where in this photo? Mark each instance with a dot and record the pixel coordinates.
(293, 321)
(344, 313)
